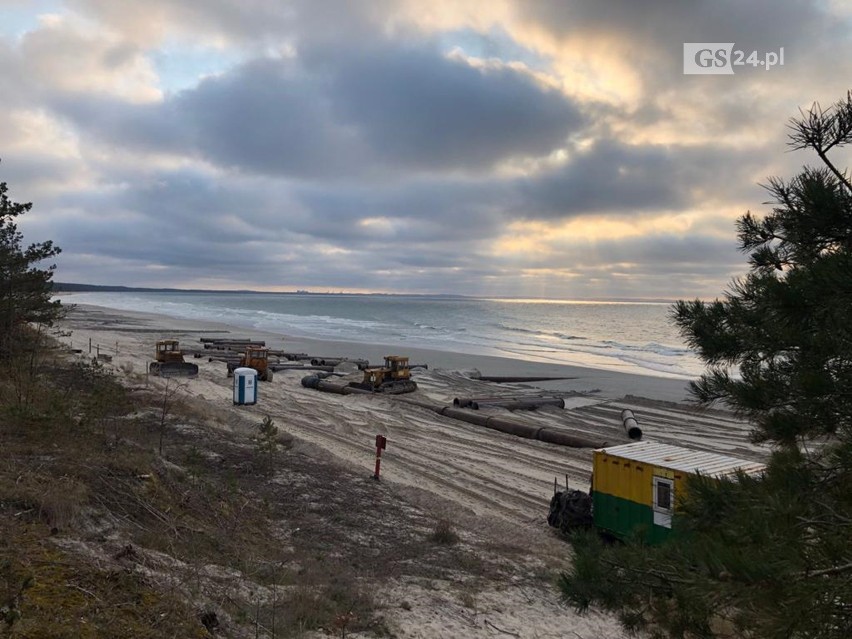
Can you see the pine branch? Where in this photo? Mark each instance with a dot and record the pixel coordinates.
(836, 570)
(668, 578)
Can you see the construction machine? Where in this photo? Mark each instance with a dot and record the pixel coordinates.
(169, 361)
(256, 357)
(394, 377)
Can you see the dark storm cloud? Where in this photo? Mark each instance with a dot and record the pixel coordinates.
(259, 117)
(418, 107)
(174, 206)
(264, 117)
(348, 113)
(658, 253)
(611, 176)
(435, 210)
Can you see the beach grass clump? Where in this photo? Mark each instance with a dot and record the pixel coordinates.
(444, 533)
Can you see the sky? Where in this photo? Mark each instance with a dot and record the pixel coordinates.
(527, 148)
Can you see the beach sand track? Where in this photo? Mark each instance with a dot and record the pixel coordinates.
(480, 477)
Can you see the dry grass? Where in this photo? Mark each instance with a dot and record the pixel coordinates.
(444, 533)
(103, 536)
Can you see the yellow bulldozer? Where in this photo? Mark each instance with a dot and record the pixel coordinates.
(256, 357)
(169, 362)
(393, 378)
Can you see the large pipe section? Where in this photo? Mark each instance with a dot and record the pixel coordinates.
(510, 402)
(232, 346)
(289, 355)
(520, 403)
(631, 426)
(318, 382)
(334, 361)
(300, 367)
(467, 402)
(528, 431)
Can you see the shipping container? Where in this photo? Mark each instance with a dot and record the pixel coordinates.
(635, 487)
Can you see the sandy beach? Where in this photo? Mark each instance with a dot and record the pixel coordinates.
(493, 484)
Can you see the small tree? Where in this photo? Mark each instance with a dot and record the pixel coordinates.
(769, 557)
(267, 436)
(25, 290)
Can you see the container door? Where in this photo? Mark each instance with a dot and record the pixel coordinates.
(663, 501)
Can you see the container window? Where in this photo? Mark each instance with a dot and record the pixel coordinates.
(663, 501)
(664, 495)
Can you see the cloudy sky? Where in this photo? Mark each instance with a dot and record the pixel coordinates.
(547, 148)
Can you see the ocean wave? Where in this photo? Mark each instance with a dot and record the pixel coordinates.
(628, 342)
(660, 349)
(527, 331)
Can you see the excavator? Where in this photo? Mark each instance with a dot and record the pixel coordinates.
(169, 361)
(256, 357)
(393, 378)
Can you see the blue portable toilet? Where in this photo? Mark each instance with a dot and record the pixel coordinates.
(245, 386)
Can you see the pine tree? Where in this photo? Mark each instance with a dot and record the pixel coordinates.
(768, 557)
(25, 289)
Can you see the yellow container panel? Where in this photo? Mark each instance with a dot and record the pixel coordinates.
(623, 478)
(632, 480)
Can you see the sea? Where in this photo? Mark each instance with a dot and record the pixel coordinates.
(628, 337)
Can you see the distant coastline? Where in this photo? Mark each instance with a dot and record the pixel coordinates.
(73, 287)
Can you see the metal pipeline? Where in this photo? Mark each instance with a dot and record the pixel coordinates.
(525, 403)
(528, 431)
(230, 340)
(232, 346)
(319, 383)
(631, 426)
(300, 367)
(462, 402)
(289, 355)
(550, 435)
(544, 434)
(334, 361)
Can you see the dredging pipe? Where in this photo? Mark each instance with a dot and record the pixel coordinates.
(334, 361)
(528, 431)
(520, 403)
(230, 340)
(289, 355)
(300, 367)
(464, 402)
(318, 382)
(631, 426)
